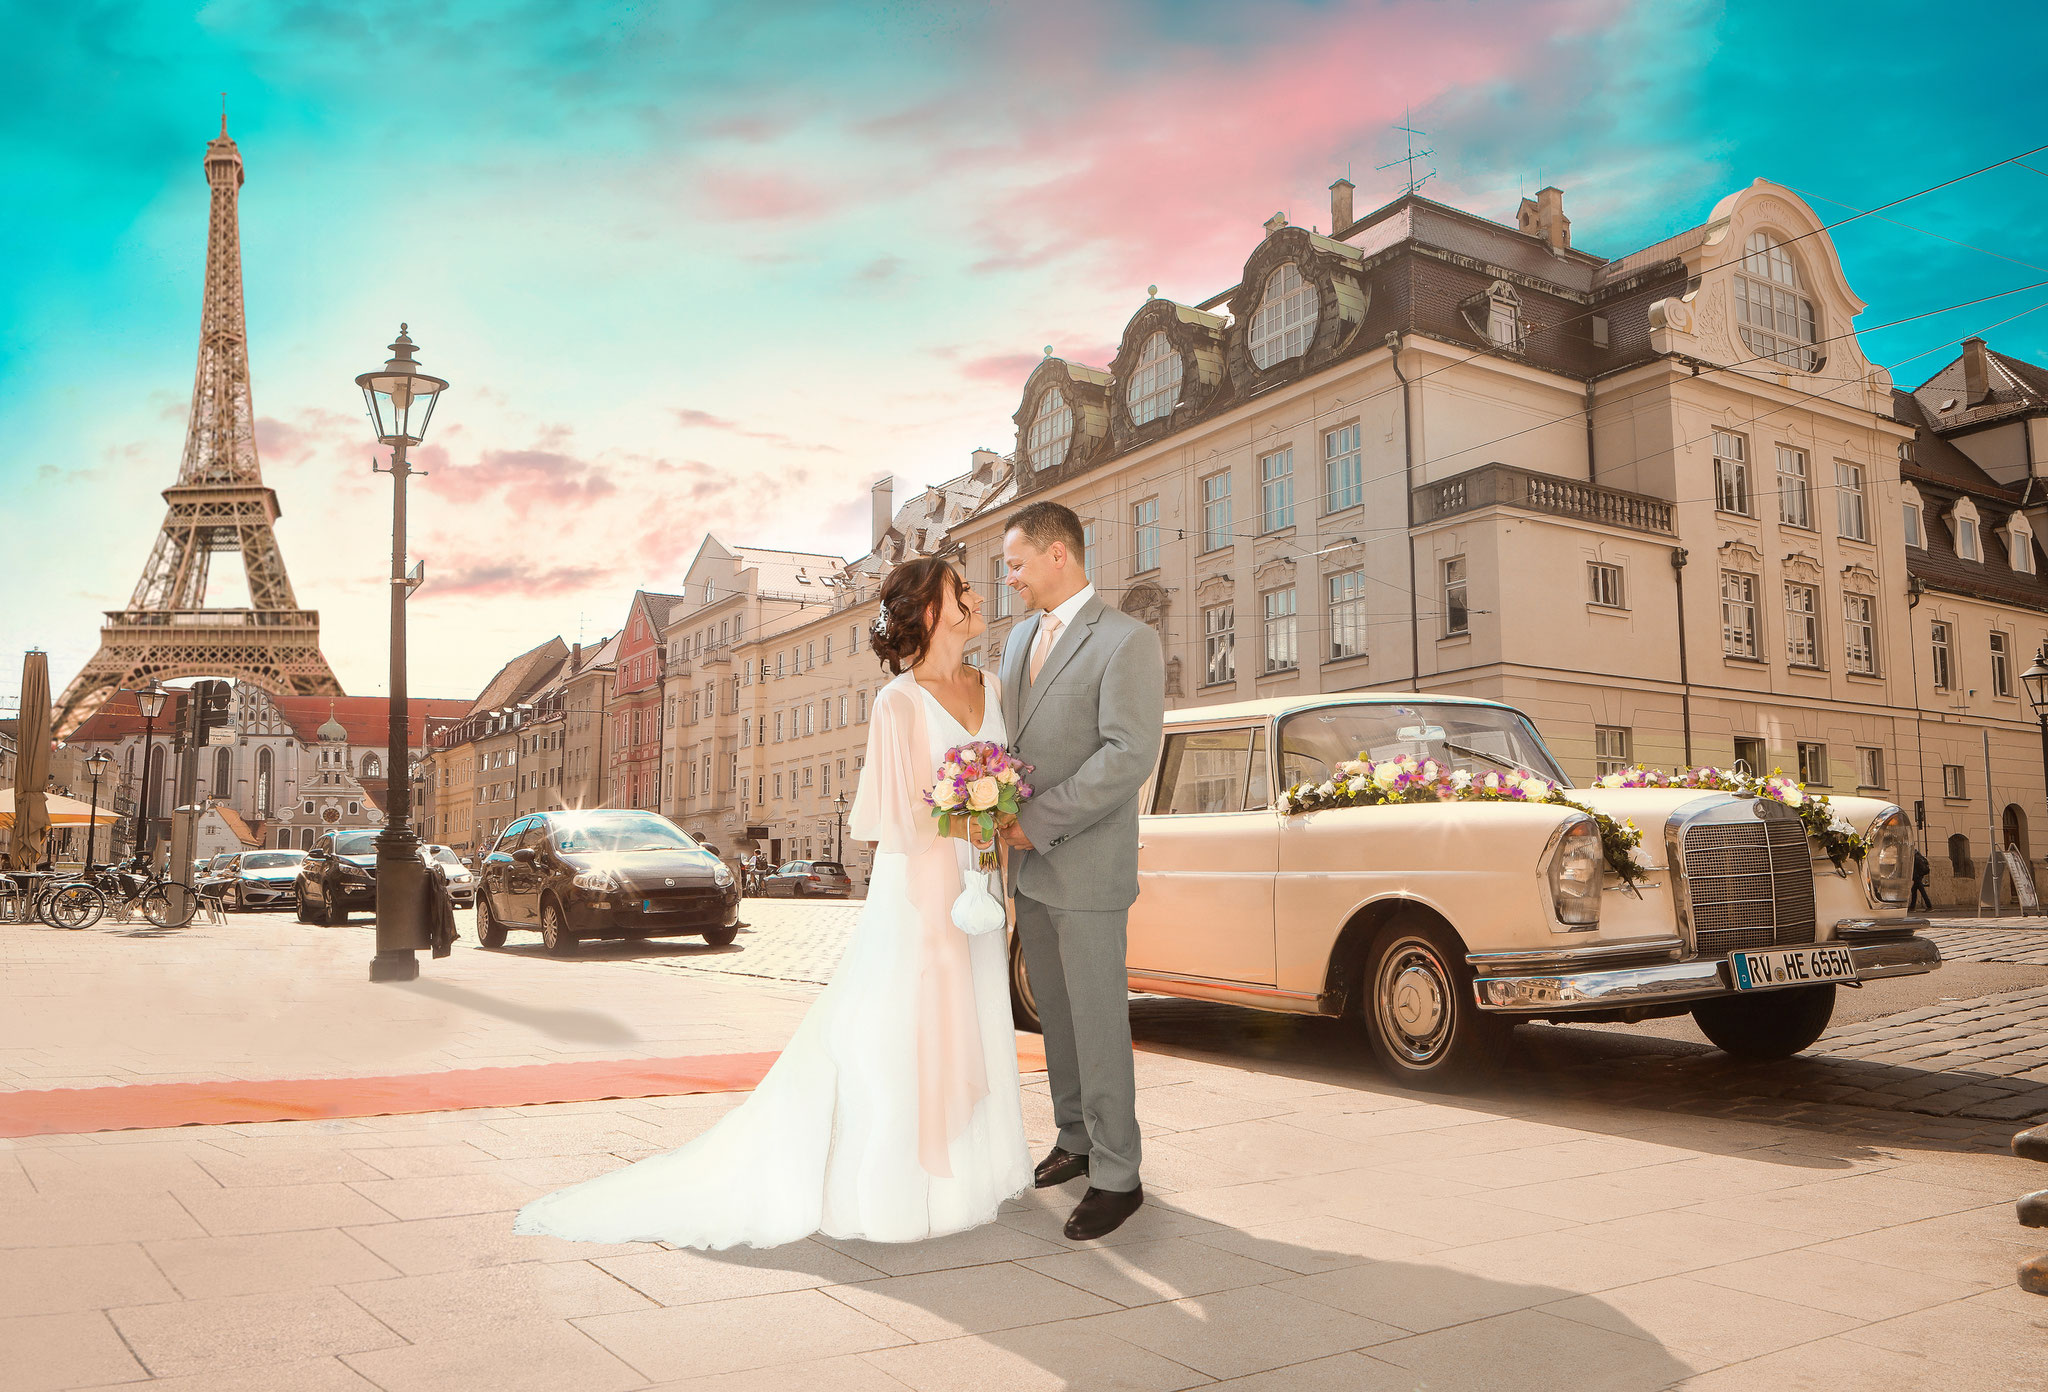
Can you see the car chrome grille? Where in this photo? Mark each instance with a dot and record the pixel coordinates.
(1748, 879)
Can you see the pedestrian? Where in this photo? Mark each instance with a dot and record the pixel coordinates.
(1921, 869)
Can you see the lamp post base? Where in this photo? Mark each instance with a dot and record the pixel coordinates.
(394, 966)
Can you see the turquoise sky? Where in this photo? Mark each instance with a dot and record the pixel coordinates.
(718, 267)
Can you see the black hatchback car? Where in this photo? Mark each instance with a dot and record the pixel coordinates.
(603, 873)
(339, 874)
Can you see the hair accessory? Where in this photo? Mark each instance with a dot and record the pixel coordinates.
(880, 627)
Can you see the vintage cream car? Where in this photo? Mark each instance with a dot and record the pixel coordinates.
(1437, 926)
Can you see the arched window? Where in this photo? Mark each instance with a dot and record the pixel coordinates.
(306, 838)
(284, 839)
(1052, 429)
(263, 770)
(373, 767)
(223, 783)
(1959, 859)
(1771, 305)
(1155, 386)
(1285, 323)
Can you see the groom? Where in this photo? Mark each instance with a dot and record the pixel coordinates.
(1088, 688)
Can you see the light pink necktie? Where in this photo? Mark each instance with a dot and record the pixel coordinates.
(1041, 646)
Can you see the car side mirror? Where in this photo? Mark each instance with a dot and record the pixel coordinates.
(525, 855)
(316, 854)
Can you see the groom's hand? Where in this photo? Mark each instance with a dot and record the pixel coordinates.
(1014, 837)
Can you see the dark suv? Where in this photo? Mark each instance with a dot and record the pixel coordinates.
(338, 875)
(603, 873)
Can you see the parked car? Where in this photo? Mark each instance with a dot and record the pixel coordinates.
(1435, 927)
(214, 870)
(262, 879)
(603, 873)
(457, 876)
(338, 876)
(801, 879)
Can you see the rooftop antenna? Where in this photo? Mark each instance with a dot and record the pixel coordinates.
(223, 113)
(1408, 129)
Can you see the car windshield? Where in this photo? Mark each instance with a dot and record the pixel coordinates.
(271, 860)
(356, 843)
(1478, 739)
(595, 833)
(442, 855)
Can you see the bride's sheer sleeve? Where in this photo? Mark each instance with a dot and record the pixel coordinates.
(889, 807)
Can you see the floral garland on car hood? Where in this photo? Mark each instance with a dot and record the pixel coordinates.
(1366, 783)
(1836, 834)
(1369, 783)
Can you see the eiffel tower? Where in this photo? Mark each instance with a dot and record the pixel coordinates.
(218, 504)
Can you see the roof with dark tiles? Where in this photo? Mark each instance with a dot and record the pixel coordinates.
(2017, 388)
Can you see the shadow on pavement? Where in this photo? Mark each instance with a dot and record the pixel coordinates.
(574, 1026)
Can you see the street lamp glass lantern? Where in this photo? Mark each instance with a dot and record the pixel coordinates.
(2035, 679)
(150, 701)
(99, 763)
(400, 396)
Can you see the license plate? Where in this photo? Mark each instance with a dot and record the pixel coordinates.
(1792, 966)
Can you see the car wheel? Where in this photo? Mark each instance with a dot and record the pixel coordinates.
(721, 937)
(1023, 1005)
(1418, 1010)
(299, 908)
(554, 930)
(241, 902)
(489, 931)
(1767, 1024)
(334, 908)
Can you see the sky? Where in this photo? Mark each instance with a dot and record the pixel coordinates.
(697, 267)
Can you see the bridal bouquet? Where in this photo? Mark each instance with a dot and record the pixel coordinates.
(977, 793)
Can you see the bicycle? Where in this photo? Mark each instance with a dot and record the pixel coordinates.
(165, 902)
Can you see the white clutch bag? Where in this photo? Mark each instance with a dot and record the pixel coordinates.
(977, 911)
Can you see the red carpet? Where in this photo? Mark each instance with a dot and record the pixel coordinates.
(69, 1111)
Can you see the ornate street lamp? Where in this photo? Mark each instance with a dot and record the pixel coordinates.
(839, 828)
(401, 400)
(150, 701)
(97, 766)
(2035, 680)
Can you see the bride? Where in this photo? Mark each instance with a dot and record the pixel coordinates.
(893, 1113)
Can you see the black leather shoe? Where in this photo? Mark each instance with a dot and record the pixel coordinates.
(1101, 1212)
(1059, 1167)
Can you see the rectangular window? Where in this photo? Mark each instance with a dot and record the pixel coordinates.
(1870, 768)
(778, 667)
(1280, 630)
(807, 776)
(1952, 784)
(778, 727)
(1849, 500)
(972, 657)
(1749, 752)
(1343, 471)
(1145, 536)
(1943, 668)
(863, 707)
(1966, 539)
(1457, 617)
(1347, 614)
(828, 647)
(1738, 614)
(1859, 633)
(1794, 502)
(1202, 773)
(1603, 583)
(1216, 514)
(1802, 625)
(2022, 557)
(1219, 644)
(1731, 473)
(810, 721)
(810, 656)
(1087, 548)
(2001, 663)
(824, 780)
(1612, 749)
(1004, 594)
(778, 785)
(1276, 490)
(1813, 764)
(842, 712)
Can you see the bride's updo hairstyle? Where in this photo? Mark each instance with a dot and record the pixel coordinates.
(912, 600)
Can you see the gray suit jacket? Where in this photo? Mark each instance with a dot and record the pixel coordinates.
(1090, 726)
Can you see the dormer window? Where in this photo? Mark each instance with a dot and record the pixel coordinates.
(1504, 315)
(1155, 386)
(1964, 522)
(1285, 323)
(1772, 307)
(2019, 545)
(1052, 430)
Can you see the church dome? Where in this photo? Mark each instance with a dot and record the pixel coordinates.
(332, 731)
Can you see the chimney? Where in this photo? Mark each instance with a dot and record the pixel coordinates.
(1275, 223)
(882, 508)
(1340, 206)
(575, 659)
(1543, 216)
(1976, 373)
(985, 461)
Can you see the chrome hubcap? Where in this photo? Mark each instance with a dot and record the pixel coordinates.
(1413, 1003)
(1418, 1005)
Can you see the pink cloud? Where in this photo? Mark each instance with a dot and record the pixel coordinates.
(692, 419)
(742, 196)
(522, 480)
(517, 577)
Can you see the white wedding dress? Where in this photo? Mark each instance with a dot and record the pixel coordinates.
(893, 1112)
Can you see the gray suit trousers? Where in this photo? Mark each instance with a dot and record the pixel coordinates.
(1076, 962)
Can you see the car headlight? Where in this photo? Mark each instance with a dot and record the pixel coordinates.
(1888, 863)
(721, 877)
(351, 871)
(600, 881)
(1577, 865)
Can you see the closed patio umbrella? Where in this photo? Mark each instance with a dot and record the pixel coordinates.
(32, 764)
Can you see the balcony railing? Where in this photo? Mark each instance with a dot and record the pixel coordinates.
(1503, 485)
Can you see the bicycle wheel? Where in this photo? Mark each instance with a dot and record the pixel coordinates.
(74, 906)
(161, 904)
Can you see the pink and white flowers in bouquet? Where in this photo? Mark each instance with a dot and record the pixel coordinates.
(977, 793)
